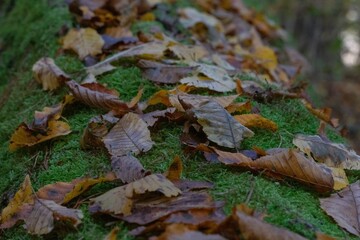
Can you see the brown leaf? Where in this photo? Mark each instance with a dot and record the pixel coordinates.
(323, 114)
(163, 73)
(97, 87)
(152, 117)
(44, 213)
(120, 200)
(97, 99)
(113, 234)
(288, 163)
(175, 169)
(329, 153)
(181, 231)
(25, 137)
(256, 121)
(13, 212)
(128, 168)
(266, 57)
(48, 74)
(239, 107)
(130, 134)
(84, 41)
(220, 126)
(241, 225)
(188, 53)
(344, 207)
(64, 192)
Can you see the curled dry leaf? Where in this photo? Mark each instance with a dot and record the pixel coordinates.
(245, 226)
(97, 99)
(129, 135)
(256, 121)
(329, 153)
(128, 168)
(84, 41)
(163, 73)
(220, 126)
(120, 200)
(64, 192)
(287, 163)
(48, 74)
(25, 137)
(344, 207)
(44, 213)
(211, 77)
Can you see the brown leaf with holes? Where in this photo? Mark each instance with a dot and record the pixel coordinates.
(120, 200)
(329, 153)
(25, 137)
(163, 73)
(48, 74)
(344, 208)
(288, 163)
(128, 168)
(256, 121)
(175, 169)
(129, 135)
(97, 99)
(83, 41)
(220, 126)
(64, 192)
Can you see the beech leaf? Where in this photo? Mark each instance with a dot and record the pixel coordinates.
(128, 168)
(256, 121)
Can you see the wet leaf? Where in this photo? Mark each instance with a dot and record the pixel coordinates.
(64, 192)
(25, 137)
(128, 168)
(129, 135)
(344, 207)
(329, 153)
(163, 73)
(256, 121)
(84, 41)
(120, 200)
(220, 126)
(48, 74)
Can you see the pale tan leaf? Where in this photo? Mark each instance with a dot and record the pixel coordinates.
(344, 207)
(84, 41)
(48, 74)
(329, 153)
(129, 135)
(188, 53)
(220, 126)
(119, 200)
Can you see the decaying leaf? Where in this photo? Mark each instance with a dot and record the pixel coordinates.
(25, 137)
(243, 225)
(287, 163)
(128, 168)
(175, 169)
(84, 41)
(97, 99)
(64, 192)
(344, 207)
(120, 200)
(129, 135)
(220, 126)
(329, 153)
(45, 212)
(48, 74)
(256, 121)
(163, 73)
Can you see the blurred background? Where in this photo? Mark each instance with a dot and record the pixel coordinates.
(327, 33)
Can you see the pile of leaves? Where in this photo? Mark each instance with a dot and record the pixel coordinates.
(223, 39)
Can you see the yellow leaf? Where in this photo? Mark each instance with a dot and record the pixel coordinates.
(267, 58)
(256, 121)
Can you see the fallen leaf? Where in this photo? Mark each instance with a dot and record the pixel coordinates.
(175, 169)
(189, 17)
(163, 73)
(266, 57)
(188, 53)
(84, 41)
(329, 153)
(256, 121)
(113, 234)
(64, 192)
(134, 101)
(323, 114)
(344, 208)
(128, 168)
(239, 107)
(129, 135)
(25, 137)
(220, 126)
(152, 117)
(97, 87)
(48, 74)
(120, 200)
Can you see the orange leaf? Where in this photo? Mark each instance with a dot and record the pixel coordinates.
(175, 169)
(256, 121)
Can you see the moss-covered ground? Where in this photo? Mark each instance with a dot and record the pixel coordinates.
(28, 31)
